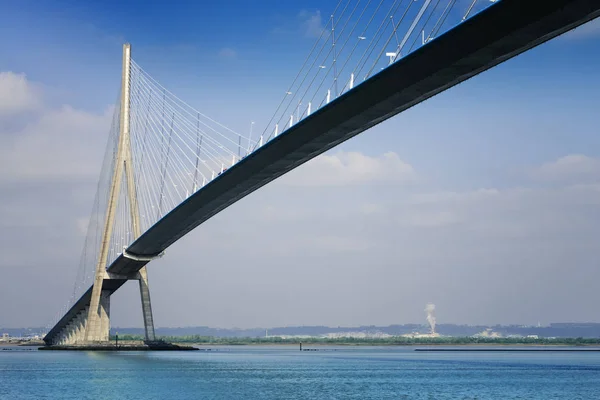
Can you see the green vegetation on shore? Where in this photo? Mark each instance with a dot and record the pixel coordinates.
(391, 341)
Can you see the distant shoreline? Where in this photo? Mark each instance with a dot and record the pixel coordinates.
(419, 347)
(531, 349)
(353, 341)
(398, 341)
(371, 344)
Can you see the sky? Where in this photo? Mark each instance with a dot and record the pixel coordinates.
(484, 200)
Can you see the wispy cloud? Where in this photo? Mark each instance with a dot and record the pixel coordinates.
(573, 168)
(227, 53)
(351, 168)
(586, 31)
(53, 143)
(311, 22)
(17, 94)
(306, 23)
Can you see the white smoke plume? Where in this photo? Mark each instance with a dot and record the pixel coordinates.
(430, 309)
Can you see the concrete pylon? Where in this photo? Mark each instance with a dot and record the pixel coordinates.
(97, 327)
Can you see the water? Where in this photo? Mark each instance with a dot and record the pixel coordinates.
(248, 372)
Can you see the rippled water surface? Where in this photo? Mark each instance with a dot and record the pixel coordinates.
(248, 372)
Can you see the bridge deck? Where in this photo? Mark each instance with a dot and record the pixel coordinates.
(500, 32)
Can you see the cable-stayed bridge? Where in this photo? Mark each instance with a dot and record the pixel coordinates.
(168, 167)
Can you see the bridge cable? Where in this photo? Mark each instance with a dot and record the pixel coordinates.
(284, 114)
(298, 74)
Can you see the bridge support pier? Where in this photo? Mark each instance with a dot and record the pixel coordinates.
(104, 331)
(79, 323)
(146, 305)
(97, 326)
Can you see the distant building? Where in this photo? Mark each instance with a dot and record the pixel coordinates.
(488, 333)
(5, 337)
(417, 335)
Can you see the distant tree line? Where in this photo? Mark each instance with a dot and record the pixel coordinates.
(554, 330)
(396, 340)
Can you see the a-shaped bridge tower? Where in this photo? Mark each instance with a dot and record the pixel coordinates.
(92, 324)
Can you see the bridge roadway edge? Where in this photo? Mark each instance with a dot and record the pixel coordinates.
(472, 47)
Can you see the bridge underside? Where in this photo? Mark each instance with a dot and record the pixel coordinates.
(497, 34)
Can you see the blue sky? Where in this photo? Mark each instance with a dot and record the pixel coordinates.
(503, 131)
(74, 48)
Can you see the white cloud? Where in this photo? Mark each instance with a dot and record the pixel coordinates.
(52, 143)
(82, 225)
(508, 213)
(17, 94)
(275, 213)
(372, 209)
(454, 197)
(62, 143)
(555, 215)
(306, 23)
(431, 219)
(312, 23)
(573, 167)
(338, 243)
(351, 168)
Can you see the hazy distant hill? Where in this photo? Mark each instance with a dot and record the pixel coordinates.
(586, 330)
(559, 330)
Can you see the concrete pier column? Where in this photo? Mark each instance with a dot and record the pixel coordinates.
(104, 316)
(146, 305)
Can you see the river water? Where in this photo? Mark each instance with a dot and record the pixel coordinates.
(272, 372)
